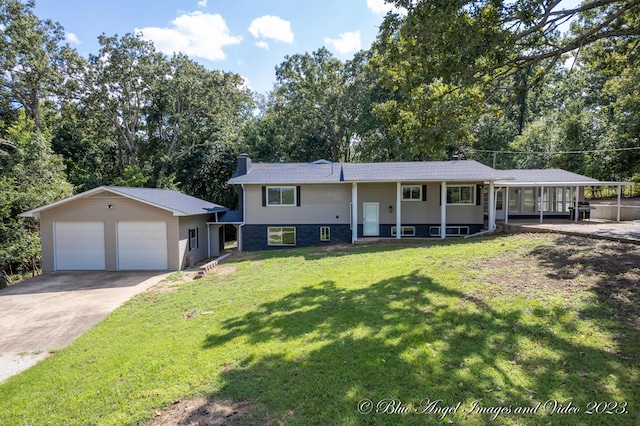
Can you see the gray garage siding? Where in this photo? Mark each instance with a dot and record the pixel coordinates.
(95, 208)
(193, 222)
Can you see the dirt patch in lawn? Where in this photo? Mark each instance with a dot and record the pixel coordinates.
(202, 412)
(565, 267)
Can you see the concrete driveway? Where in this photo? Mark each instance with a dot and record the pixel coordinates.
(51, 310)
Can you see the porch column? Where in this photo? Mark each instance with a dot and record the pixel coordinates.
(443, 209)
(506, 205)
(354, 212)
(398, 210)
(208, 241)
(492, 207)
(619, 196)
(239, 237)
(576, 205)
(541, 203)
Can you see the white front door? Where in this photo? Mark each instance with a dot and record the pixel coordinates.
(370, 219)
(500, 204)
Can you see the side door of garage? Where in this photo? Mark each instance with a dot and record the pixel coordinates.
(79, 246)
(142, 245)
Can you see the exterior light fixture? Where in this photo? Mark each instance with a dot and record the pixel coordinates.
(390, 209)
(110, 206)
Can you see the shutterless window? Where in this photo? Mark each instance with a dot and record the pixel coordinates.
(193, 239)
(285, 236)
(281, 196)
(325, 233)
(460, 194)
(405, 231)
(411, 193)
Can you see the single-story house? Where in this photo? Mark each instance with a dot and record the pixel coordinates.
(117, 228)
(308, 204)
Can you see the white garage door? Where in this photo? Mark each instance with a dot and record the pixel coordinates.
(79, 246)
(142, 245)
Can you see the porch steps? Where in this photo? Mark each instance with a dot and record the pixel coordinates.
(210, 266)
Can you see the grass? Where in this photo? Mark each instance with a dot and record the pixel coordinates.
(308, 336)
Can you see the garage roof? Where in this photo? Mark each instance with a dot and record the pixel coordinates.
(176, 202)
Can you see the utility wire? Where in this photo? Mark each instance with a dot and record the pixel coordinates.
(557, 152)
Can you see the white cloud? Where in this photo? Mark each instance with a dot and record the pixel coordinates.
(379, 6)
(382, 8)
(347, 43)
(195, 34)
(272, 27)
(202, 3)
(72, 38)
(263, 45)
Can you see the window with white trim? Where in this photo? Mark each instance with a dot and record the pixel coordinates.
(193, 239)
(281, 236)
(461, 194)
(405, 231)
(325, 233)
(281, 195)
(411, 192)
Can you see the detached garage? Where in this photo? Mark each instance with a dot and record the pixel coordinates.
(117, 228)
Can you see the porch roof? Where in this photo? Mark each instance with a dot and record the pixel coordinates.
(549, 177)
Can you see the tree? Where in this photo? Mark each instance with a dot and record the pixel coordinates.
(312, 108)
(451, 61)
(31, 176)
(485, 41)
(117, 87)
(192, 108)
(32, 59)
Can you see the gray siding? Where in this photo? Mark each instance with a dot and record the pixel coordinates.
(192, 222)
(415, 211)
(327, 203)
(95, 208)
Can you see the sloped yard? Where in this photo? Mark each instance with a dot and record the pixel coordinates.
(518, 330)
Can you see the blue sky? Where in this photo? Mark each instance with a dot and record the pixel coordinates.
(249, 37)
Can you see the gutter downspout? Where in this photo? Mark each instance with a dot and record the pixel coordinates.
(398, 210)
(209, 240)
(244, 218)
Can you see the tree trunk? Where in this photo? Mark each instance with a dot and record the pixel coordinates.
(5, 281)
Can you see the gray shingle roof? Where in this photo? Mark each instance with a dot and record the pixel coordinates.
(181, 204)
(543, 175)
(280, 173)
(298, 173)
(465, 170)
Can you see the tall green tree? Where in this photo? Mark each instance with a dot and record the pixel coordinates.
(312, 107)
(31, 176)
(33, 58)
(117, 87)
(192, 108)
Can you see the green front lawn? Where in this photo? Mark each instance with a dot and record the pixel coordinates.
(310, 336)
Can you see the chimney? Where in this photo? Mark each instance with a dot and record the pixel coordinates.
(244, 164)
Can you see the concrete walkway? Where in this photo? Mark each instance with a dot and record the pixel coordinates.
(626, 231)
(50, 311)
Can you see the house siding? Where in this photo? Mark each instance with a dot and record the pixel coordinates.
(416, 212)
(321, 203)
(192, 222)
(329, 205)
(95, 208)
